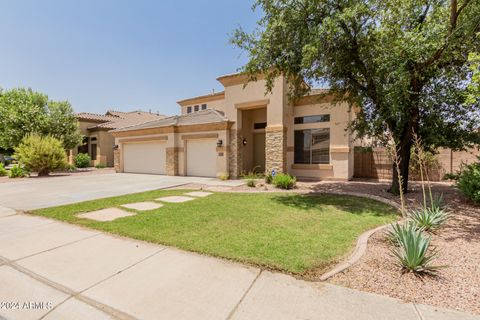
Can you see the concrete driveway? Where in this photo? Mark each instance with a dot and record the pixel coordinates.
(52, 270)
(39, 193)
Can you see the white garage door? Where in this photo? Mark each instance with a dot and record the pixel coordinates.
(202, 158)
(144, 157)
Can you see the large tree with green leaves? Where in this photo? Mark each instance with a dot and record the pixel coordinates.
(403, 62)
(24, 111)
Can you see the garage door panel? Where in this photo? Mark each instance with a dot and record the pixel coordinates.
(144, 157)
(202, 158)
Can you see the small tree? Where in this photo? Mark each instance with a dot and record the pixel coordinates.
(24, 111)
(41, 154)
(403, 63)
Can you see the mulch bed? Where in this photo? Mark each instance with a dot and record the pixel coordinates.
(79, 172)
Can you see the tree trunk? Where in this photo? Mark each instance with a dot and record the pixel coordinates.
(404, 163)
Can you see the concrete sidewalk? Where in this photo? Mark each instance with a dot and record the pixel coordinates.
(67, 272)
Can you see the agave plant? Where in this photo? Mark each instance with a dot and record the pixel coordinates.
(397, 233)
(429, 218)
(413, 252)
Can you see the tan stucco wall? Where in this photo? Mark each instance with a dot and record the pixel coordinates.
(341, 145)
(105, 142)
(178, 141)
(216, 104)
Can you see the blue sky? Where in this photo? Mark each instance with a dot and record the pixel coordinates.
(120, 54)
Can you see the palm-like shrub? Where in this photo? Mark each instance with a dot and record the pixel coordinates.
(82, 160)
(284, 181)
(429, 218)
(41, 154)
(413, 250)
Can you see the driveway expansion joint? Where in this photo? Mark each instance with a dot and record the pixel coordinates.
(234, 310)
(417, 311)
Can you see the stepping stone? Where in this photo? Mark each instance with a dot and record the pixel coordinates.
(109, 214)
(174, 199)
(143, 206)
(201, 194)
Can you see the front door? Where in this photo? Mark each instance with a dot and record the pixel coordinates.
(259, 152)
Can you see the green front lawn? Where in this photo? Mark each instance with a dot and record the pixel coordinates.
(290, 232)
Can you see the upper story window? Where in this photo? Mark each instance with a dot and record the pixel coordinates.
(189, 109)
(196, 108)
(312, 119)
(204, 106)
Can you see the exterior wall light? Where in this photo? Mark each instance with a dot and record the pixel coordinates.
(244, 142)
(115, 146)
(219, 143)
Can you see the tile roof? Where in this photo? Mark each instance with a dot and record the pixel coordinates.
(199, 117)
(118, 119)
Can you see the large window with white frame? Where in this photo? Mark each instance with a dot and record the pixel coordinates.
(312, 146)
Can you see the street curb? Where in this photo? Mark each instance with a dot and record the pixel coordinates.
(362, 241)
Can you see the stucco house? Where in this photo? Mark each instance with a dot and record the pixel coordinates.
(242, 129)
(98, 142)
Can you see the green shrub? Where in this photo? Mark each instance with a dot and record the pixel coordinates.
(268, 178)
(251, 178)
(224, 177)
(3, 171)
(100, 166)
(41, 154)
(17, 172)
(284, 181)
(82, 160)
(70, 168)
(450, 176)
(429, 218)
(469, 181)
(412, 251)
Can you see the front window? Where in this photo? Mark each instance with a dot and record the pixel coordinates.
(312, 146)
(204, 106)
(196, 108)
(189, 109)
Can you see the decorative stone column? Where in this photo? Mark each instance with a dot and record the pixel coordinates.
(116, 160)
(172, 161)
(276, 149)
(235, 154)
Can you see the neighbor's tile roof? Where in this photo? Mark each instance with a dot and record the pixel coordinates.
(199, 117)
(118, 119)
(94, 117)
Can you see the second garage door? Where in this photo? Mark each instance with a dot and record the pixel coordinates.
(202, 158)
(144, 157)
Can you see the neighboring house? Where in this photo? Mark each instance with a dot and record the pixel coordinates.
(242, 129)
(98, 143)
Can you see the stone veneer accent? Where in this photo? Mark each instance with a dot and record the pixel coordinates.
(116, 160)
(235, 154)
(276, 149)
(172, 161)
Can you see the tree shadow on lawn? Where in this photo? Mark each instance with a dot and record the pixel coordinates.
(351, 204)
